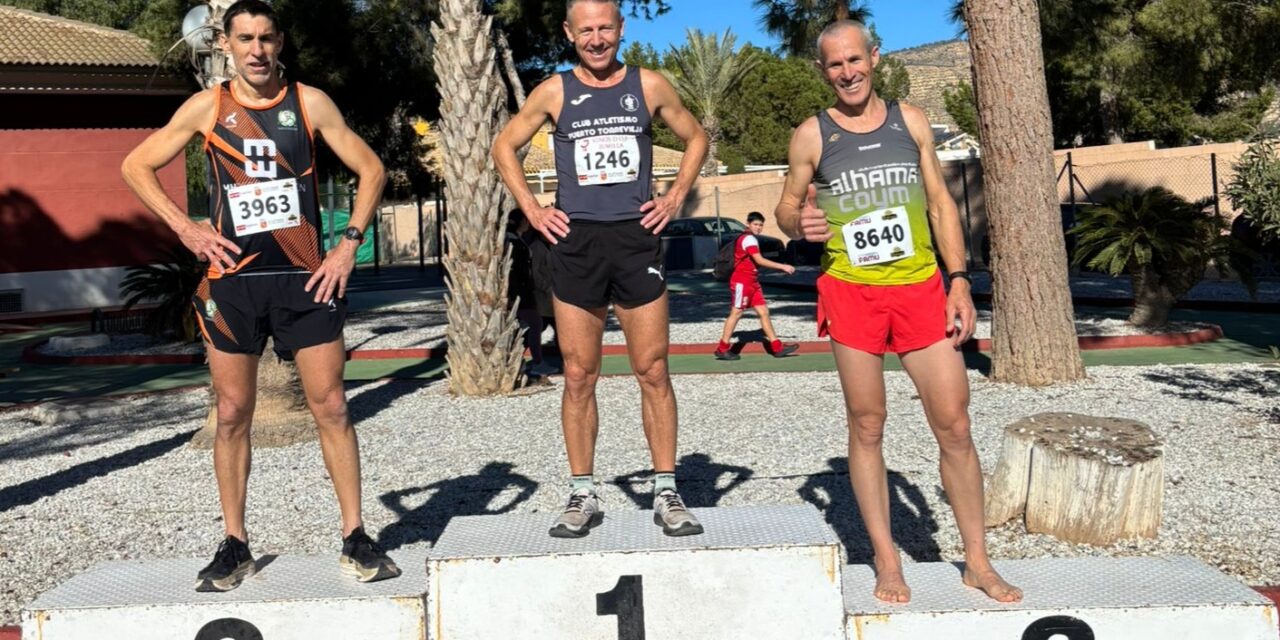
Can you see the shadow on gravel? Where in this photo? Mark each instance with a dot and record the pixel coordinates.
(911, 519)
(73, 434)
(698, 479)
(462, 496)
(1214, 387)
(372, 401)
(35, 489)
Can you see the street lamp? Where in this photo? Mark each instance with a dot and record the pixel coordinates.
(200, 30)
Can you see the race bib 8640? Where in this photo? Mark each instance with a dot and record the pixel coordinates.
(879, 236)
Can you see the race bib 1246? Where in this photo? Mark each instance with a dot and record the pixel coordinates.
(606, 159)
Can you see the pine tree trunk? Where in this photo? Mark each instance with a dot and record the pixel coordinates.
(485, 351)
(1034, 337)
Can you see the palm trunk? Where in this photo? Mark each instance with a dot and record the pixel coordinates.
(711, 166)
(1152, 300)
(280, 414)
(485, 351)
(1034, 337)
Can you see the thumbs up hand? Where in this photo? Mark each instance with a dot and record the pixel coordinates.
(813, 221)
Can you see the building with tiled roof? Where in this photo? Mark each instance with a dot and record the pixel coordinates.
(40, 53)
(934, 68)
(75, 99)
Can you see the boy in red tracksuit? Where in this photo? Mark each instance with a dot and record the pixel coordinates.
(744, 286)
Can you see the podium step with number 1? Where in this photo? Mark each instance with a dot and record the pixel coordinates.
(757, 572)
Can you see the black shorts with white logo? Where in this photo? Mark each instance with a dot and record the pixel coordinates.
(237, 313)
(603, 262)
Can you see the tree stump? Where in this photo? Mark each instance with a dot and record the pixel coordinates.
(1079, 478)
(280, 416)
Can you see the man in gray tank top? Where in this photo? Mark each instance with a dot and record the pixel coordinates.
(603, 229)
(879, 198)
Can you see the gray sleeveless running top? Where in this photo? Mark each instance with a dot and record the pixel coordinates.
(603, 149)
(876, 176)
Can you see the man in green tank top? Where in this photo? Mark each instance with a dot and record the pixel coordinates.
(878, 204)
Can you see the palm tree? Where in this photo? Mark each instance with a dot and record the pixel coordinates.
(1163, 242)
(707, 71)
(485, 350)
(798, 22)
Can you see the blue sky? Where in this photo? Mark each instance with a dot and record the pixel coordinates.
(901, 24)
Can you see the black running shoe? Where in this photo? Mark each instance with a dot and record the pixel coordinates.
(364, 559)
(727, 354)
(786, 350)
(230, 566)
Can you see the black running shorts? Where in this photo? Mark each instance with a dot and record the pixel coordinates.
(237, 313)
(603, 262)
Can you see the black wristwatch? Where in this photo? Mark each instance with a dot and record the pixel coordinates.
(353, 233)
(960, 274)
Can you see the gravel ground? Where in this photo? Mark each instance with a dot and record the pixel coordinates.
(696, 318)
(75, 494)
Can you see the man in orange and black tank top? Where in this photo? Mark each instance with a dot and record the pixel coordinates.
(268, 276)
(878, 204)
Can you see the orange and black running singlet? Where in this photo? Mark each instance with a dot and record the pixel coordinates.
(263, 188)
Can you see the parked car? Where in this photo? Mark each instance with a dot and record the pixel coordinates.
(803, 252)
(728, 228)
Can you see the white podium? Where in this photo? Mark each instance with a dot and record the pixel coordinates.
(1176, 598)
(291, 598)
(757, 572)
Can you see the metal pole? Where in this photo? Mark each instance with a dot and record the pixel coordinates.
(422, 249)
(377, 255)
(351, 208)
(719, 227)
(968, 222)
(331, 205)
(1213, 167)
(442, 212)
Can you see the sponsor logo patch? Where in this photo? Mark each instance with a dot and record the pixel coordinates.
(580, 99)
(210, 308)
(287, 118)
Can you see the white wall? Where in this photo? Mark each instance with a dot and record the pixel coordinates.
(65, 290)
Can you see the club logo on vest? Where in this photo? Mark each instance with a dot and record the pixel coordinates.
(630, 102)
(580, 99)
(287, 118)
(210, 308)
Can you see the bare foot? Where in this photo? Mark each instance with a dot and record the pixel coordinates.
(993, 585)
(890, 585)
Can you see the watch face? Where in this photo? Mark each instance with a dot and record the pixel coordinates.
(353, 234)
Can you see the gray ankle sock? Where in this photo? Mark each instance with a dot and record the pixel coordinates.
(663, 481)
(587, 482)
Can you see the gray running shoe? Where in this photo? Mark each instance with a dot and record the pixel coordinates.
(580, 514)
(670, 513)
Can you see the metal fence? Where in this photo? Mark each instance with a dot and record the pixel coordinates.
(1083, 183)
(405, 230)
